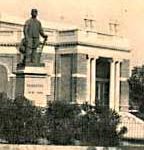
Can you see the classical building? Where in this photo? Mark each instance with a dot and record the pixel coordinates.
(83, 65)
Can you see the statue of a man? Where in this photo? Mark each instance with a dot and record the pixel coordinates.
(32, 31)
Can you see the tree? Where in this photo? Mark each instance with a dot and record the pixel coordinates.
(5, 114)
(100, 127)
(88, 125)
(62, 122)
(21, 122)
(136, 85)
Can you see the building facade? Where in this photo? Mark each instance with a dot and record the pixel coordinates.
(83, 65)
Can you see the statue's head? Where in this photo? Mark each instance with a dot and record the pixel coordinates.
(34, 13)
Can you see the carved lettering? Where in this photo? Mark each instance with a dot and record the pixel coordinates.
(34, 85)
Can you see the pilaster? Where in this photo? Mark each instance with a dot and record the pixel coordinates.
(91, 79)
(117, 86)
(112, 85)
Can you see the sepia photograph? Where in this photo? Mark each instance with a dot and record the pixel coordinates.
(71, 75)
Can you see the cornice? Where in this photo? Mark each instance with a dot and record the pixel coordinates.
(76, 43)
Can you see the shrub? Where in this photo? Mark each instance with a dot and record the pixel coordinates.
(21, 122)
(89, 125)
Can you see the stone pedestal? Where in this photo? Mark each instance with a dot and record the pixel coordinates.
(31, 82)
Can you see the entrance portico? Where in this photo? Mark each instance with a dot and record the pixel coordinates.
(103, 81)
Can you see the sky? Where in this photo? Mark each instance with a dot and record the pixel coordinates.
(129, 13)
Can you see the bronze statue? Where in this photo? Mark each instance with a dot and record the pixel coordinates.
(32, 31)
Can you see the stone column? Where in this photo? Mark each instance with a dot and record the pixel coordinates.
(93, 74)
(112, 85)
(117, 86)
(88, 79)
(93, 81)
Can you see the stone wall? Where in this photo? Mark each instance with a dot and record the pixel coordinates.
(124, 95)
(9, 63)
(125, 68)
(124, 87)
(66, 76)
(79, 77)
(81, 64)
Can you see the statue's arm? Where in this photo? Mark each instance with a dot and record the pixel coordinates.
(42, 31)
(25, 30)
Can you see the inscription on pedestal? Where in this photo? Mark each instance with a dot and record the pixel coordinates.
(36, 89)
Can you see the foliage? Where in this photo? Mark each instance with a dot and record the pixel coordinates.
(89, 125)
(21, 122)
(62, 122)
(136, 84)
(99, 127)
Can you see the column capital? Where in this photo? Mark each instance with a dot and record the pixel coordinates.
(92, 57)
(115, 60)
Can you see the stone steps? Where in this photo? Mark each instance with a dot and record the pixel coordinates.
(134, 125)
